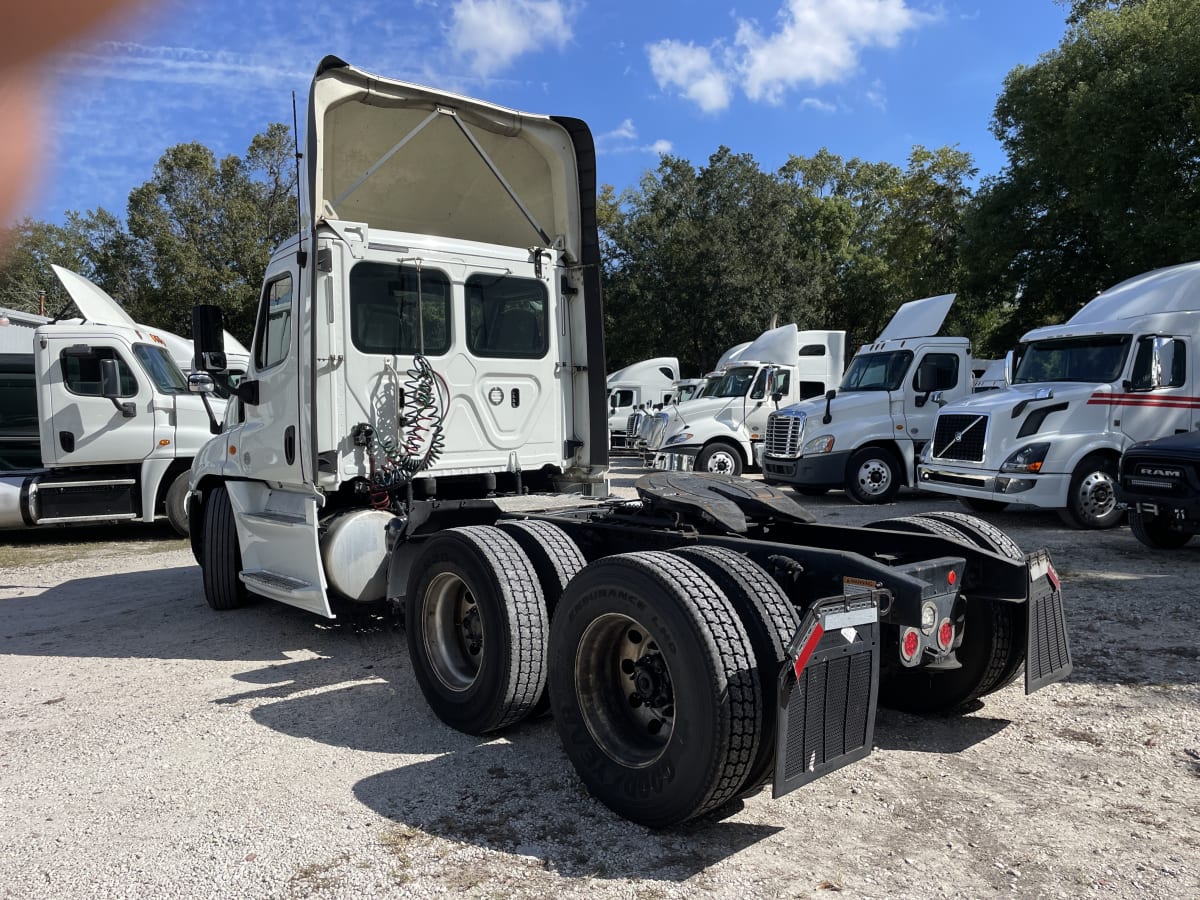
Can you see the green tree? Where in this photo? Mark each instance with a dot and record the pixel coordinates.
(205, 229)
(1103, 180)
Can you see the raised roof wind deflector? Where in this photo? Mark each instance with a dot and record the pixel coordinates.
(403, 157)
(918, 318)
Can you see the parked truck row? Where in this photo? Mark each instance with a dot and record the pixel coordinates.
(431, 343)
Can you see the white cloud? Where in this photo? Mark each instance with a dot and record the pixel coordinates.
(692, 71)
(818, 105)
(624, 139)
(493, 33)
(814, 42)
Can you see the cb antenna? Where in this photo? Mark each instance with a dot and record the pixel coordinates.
(300, 255)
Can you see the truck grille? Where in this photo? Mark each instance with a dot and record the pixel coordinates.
(631, 424)
(960, 437)
(659, 433)
(784, 434)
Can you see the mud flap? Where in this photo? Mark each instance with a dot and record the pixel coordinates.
(828, 691)
(1047, 651)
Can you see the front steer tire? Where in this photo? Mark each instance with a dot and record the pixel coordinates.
(873, 475)
(653, 689)
(476, 625)
(175, 503)
(719, 458)
(1091, 496)
(223, 588)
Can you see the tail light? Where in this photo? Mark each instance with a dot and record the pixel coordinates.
(945, 635)
(910, 644)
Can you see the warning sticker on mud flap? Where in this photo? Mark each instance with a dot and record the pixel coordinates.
(854, 586)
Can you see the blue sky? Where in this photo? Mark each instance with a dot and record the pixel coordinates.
(772, 78)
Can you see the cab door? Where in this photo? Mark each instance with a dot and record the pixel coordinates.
(80, 426)
(267, 443)
(1160, 399)
(934, 371)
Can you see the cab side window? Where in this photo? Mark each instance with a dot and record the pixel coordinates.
(273, 333)
(944, 369)
(1172, 363)
(81, 371)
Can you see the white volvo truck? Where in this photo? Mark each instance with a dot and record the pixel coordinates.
(1123, 369)
(720, 431)
(431, 342)
(865, 435)
(96, 421)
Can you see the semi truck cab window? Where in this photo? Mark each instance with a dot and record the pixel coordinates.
(81, 373)
(507, 316)
(161, 368)
(274, 331)
(399, 310)
(1174, 369)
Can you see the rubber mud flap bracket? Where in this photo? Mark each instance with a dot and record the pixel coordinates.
(828, 691)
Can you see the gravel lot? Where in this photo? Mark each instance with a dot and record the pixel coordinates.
(150, 747)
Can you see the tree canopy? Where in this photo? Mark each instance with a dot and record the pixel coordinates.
(1102, 181)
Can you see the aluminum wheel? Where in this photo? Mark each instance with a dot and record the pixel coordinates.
(1096, 496)
(624, 689)
(452, 632)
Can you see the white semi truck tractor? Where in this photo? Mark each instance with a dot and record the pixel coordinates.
(432, 343)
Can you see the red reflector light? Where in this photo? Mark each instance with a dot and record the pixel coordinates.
(1053, 577)
(945, 635)
(952, 577)
(910, 643)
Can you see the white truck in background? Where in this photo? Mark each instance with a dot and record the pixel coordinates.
(96, 421)
(430, 347)
(719, 431)
(641, 386)
(865, 435)
(1123, 369)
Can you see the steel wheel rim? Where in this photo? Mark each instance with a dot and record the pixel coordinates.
(616, 662)
(720, 463)
(1097, 498)
(874, 477)
(452, 632)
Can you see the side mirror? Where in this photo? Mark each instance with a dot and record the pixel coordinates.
(208, 339)
(201, 383)
(110, 388)
(938, 398)
(926, 380)
(1010, 362)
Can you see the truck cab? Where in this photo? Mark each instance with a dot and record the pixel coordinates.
(98, 426)
(438, 339)
(1121, 370)
(718, 432)
(865, 435)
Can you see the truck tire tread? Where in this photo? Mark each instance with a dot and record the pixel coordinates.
(223, 589)
(770, 621)
(496, 572)
(708, 639)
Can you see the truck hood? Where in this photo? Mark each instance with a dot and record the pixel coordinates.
(1007, 398)
(97, 305)
(402, 157)
(918, 318)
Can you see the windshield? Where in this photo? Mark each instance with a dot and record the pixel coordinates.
(1097, 358)
(876, 371)
(687, 392)
(734, 382)
(161, 368)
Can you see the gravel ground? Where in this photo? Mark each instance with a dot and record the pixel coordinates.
(150, 747)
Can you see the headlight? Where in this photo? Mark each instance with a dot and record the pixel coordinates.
(1028, 459)
(926, 452)
(820, 444)
(679, 438)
